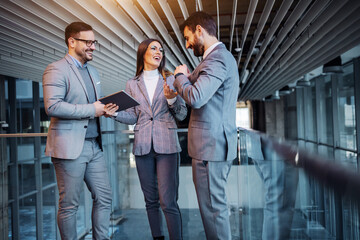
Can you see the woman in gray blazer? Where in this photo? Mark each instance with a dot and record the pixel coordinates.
(156, 143)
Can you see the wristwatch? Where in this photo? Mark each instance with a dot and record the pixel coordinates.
(178, 74)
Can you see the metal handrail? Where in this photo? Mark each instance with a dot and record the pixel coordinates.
(16, 135)
(19, 135)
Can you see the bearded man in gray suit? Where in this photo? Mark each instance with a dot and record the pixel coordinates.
(211, 90)
(71, 89)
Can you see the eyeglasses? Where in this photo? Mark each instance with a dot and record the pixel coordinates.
(154, 49)
(87, 42)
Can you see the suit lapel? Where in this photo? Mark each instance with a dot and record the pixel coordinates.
(158, 90)
(142, 87)
(77, 74)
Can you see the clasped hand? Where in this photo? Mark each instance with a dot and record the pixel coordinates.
(110, 109)
(107, 110)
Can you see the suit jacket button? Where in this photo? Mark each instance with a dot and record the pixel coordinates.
(151, 119)
(85, 126)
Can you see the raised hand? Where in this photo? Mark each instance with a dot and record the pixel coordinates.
(168, 92)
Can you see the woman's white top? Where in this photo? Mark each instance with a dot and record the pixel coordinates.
(151, 79)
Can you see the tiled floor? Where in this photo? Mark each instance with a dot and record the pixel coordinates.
(135, 225)
(132, 224)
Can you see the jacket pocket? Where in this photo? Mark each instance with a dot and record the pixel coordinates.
(62, 126)
(200, 124)
(171, 125)
(137, 127)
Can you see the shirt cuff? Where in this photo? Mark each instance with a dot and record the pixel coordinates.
(178, 74)
(171, 101)
(114, 114)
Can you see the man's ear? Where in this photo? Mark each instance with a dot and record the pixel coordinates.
(71, 42)
(199, 29)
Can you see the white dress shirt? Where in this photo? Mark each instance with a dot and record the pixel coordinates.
(210, 49)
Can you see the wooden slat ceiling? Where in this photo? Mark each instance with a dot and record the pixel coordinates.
(275, 42)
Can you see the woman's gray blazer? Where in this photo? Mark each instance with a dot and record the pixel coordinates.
(155, 124)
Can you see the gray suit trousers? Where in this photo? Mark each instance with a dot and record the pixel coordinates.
(158, 174)
(210, 182)
(70, 174)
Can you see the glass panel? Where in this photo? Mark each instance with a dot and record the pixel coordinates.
(325, 108)
(300, 99)
(25, 149)
(291, 116)
(346, 105)
(326, 152)
(350, 219)
(24, 106)
(44, 119)
(311, 147)
(48, 172)
(27, 216)
(347, 159)
(310, 112)
(26, 177)
(49, 213)
(10, 221)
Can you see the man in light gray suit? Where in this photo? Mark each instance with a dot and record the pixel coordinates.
(211, 90)
(71, 89)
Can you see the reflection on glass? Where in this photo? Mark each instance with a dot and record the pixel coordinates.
(49, 213)
(300, 113)
(325, 107)
(27, 216)
(346, 105)
(350, 219)
(26, 177)
(310, 112)
(24, 106)
(10, 222)
(25, 149)
(48, 172)
(325, 151)
(44, 118)
(347, 159)
(291, 116)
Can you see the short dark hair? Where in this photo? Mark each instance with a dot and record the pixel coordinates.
(74, 28)
(200, 18)
(140, 56)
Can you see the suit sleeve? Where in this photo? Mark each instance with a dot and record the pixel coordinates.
(55, 90)
(127, 116)
(178, 108)
(210, 78)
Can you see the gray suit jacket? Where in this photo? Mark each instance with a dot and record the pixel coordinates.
(66, 102)
(155, 124)
(211, 90)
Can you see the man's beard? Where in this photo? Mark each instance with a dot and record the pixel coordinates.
(83, 55)
(198, 48)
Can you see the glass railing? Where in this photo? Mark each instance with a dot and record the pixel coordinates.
(275, 190)
(297, 190)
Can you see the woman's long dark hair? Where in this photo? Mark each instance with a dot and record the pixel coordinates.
(140, 57)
